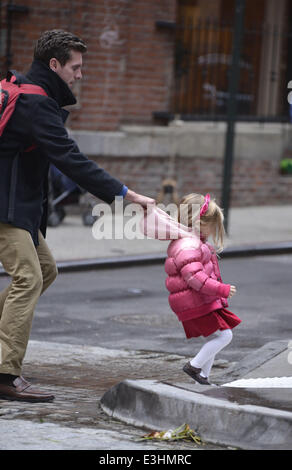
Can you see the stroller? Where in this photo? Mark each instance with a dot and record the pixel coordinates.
(63, 191)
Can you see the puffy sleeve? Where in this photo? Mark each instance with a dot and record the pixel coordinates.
(189, 263)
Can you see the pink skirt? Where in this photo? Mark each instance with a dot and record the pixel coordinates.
(206, 325)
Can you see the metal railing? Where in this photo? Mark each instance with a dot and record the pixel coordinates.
(202, 66)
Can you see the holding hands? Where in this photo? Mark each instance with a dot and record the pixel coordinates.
(139, 198)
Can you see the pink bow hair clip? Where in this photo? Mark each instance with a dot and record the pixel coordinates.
(205, 206)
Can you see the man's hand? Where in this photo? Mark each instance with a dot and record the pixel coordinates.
(139, 198)
(232, 291)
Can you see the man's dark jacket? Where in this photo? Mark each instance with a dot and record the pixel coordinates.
(40, 120)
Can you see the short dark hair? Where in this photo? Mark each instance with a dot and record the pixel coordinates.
(57, 43)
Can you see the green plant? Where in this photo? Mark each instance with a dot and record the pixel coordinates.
(286, 166)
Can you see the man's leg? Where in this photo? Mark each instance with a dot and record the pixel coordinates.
(20, 260)
(47, 263)
(48, 268)
(3, 296)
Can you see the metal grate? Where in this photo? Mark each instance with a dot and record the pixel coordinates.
(202, 66)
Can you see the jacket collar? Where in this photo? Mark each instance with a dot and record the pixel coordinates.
(40, 74)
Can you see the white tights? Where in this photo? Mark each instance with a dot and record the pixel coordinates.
(206, 356)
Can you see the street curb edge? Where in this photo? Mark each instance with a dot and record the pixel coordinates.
(159, 258)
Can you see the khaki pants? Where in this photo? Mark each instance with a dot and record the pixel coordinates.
(32, 270)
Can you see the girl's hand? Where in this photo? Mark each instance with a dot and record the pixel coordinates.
(232, 291)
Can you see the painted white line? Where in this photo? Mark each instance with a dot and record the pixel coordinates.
(267, 382)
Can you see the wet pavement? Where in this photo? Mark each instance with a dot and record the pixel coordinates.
(78, 376)
(146, 343)
(245, 418)
(82, 377)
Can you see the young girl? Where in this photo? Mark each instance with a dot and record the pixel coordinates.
(197, 294)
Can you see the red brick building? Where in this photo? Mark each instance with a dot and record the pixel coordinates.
(128, 67)
(149, 62)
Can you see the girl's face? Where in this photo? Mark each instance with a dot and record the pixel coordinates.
(206, 230)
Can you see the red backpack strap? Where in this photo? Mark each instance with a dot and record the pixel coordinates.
(9, 93)
(29, 89)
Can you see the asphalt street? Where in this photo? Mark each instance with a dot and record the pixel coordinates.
(128, 308)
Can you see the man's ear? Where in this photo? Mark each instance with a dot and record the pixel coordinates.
(53, 64)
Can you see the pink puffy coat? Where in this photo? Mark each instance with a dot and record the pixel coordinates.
(194, 279)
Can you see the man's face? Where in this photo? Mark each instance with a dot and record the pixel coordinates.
(71, 71)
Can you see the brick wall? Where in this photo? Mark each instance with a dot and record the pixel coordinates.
(128, 67)
(128, 73)
(255, 183)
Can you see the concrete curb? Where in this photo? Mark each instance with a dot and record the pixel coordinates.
(264, 249)
(160, 406)
(253, 360)
(261, 249)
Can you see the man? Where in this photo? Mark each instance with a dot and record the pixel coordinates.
(34, 137)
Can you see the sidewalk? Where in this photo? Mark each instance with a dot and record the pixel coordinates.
(90, 396)
(252, 229)
(251, 412)
(251, 409)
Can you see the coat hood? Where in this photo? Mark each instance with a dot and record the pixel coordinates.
(157, 224)
(40, 74)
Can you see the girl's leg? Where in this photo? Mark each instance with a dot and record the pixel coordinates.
(206, 369)
(205, 357)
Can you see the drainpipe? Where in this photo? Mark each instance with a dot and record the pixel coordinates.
(232, 106)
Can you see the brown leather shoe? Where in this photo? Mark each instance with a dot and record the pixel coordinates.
(194, 372)
(22, 390)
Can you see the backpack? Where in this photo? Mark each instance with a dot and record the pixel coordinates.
(9, 93)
